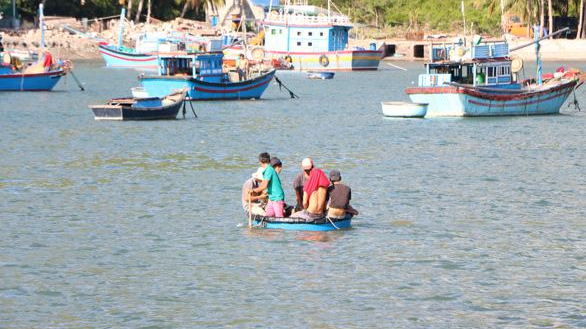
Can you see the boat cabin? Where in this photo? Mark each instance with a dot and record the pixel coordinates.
(305, 29)
(204, 66)
(482, 65)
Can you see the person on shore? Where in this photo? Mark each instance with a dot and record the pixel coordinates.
(339, 196)
(242, 68)
(257, 201)
(272, 183)
(299, 182)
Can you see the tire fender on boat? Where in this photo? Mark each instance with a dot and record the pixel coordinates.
(324, 60)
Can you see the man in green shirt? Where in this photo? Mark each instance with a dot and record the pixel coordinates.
(272, 183)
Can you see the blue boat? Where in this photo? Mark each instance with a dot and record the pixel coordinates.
(202, 75)
(483, 81)
(16, 80)
(288, 223)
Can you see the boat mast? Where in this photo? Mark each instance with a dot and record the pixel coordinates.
(536, 30)
(121, 27)
(42, 25)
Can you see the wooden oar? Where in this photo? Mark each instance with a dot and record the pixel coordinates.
(249, 210)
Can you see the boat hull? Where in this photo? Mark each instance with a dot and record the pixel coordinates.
(30, 82)
(404, 109)
(143, 112)
(344, 60)
(123, 59)
(322, 224)
(200, 90)
(462, 102)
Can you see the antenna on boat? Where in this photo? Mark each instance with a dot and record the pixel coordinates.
(42, 25)
(121, 27)
(536, 29)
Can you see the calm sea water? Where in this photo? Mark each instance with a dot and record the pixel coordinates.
(465, 223)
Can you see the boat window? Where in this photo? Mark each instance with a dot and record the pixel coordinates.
(310, 33)
(273, 31)
(310, 44)
(298, 32)
(321, 34)
(280, 31)
(299, 43)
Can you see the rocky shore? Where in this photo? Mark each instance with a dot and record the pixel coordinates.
(66, 44)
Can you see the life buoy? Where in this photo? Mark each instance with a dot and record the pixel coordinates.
(289, 59)
(257, 54)
(323, 60)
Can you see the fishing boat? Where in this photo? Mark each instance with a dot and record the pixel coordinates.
(42, 75)
(202, 75)
(316, 39)
(323, 75)
(148, 46)
(482, 80)
(404, 109)
(288, 223)
(131, 108)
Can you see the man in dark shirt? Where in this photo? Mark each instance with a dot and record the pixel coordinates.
(299, 182)
(339, 196)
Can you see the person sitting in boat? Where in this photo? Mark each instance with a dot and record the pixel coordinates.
(47, 60)
(299, 182)
(314, 196)
(242, 68)
(256, 201)
(272, 183)
(339, 196)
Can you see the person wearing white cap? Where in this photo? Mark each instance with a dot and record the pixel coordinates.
(258, 200)
(299, 181)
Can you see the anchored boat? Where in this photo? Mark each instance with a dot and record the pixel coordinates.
(288, 223)
(483, 80)
(202, 75)
(312, 38)
(404, 109)
(132, 108)
(42, 75)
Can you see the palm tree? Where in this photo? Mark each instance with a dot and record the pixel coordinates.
(138, 11)
(550, 14)
(580, 20)
(193, 4)
(129, 9)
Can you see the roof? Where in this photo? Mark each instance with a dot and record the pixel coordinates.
(264, 3)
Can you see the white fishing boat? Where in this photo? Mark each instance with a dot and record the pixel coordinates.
(404, 109)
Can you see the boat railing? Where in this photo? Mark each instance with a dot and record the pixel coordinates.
(434, 80)
(457, 52)
(300, 18)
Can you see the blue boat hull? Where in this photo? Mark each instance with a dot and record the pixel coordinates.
(159, 86)
(323, 224)
(123, 59)
(30, 82)
(461, 102)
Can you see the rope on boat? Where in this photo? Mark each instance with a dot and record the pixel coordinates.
(331, 221)
(575, 102)
(282, 85)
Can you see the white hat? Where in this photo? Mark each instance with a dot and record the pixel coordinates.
(307, 163)
(258, 174)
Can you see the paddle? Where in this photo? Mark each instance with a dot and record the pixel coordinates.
(249, 210)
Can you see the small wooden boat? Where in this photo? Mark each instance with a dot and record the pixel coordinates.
(320, 75)
(153, 108)
(299, 224)
(404, 109)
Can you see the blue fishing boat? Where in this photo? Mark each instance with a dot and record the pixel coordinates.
(482, 80)
(34, 77)
(202, 75)
(313, 38)
(288, 223)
